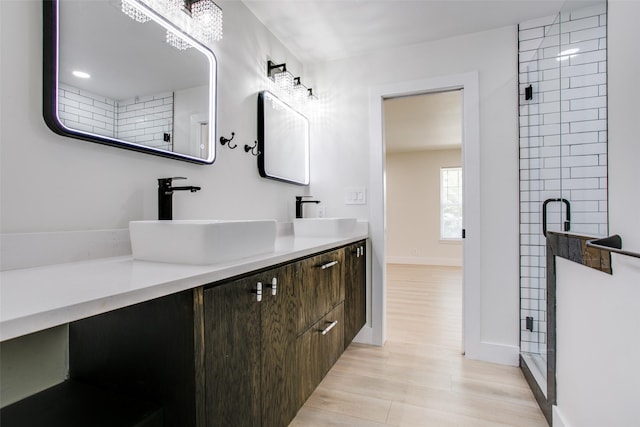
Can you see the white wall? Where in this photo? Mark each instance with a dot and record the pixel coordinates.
(52, 183)
(598, 347)
(413, 208)
(190, 105)
(344, 135)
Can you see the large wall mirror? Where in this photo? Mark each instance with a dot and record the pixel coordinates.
(138, 92)
(283, 141)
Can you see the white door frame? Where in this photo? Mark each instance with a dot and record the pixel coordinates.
(375, 333)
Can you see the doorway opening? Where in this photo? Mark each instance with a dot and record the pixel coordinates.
(472, 344)
(424, 213)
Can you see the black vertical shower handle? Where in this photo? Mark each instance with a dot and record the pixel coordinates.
(567, 221)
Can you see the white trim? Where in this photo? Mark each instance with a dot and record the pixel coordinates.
(495, 353)
(557, 418)
(470, 164)
(447, 262)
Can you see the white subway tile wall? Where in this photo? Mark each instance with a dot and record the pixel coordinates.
(143, 120)
(563, 144)
(85, 111)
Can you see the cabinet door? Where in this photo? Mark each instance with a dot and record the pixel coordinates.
(232, 354)
(355, 293)
(278, 351)
(318, 349)
(321, 288)
(250, 342)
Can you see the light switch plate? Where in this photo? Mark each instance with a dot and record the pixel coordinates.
(355, 196)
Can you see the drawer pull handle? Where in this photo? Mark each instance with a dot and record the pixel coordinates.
(328, 265)
(326, 330)
(258, 291)
(273, 286)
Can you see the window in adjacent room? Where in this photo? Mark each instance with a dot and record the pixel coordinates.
(451, 203)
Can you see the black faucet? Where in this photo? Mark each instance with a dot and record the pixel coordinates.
(299, 203)
(165, 196)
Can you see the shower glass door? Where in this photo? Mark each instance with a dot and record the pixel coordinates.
(563, 152)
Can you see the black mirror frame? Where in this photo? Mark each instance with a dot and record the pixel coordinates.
(261, 142)
(50, 87)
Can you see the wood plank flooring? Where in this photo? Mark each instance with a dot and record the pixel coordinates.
(420, 378)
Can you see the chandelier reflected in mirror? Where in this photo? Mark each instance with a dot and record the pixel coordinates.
(201, 19)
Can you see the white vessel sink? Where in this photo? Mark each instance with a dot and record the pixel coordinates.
(200, 241)
(323, 227)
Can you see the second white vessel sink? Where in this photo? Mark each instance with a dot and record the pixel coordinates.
(200, 242)
(323, 227)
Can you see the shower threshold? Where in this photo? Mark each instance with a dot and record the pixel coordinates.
(537, 364)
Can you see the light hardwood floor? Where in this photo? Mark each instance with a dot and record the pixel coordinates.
(419, 378)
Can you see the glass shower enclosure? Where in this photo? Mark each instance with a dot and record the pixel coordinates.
(563, 152)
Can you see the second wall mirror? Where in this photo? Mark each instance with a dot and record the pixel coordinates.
(283, 141)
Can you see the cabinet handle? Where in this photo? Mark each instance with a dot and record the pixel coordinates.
(258, 291)
(328, 265)
(273, 286)
(326, 330)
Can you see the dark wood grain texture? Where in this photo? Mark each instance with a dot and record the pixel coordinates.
(145, 350)
(232, 348)
(279, 362)
(355, 290)
(317, 352)
(320, 289)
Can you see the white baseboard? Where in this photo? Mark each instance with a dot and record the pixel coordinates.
(558, 420)
(493, 352)
(449, 262)
(365, 336)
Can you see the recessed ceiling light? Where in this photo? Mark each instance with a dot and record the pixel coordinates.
(81, 74)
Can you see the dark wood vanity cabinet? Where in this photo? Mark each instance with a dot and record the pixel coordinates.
(321, 318)
(250, 364)
(247, 351)
(148, 350)
(318, 349)
(355, 290)
(321, 287)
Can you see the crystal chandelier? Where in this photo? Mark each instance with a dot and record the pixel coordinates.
(133, 12)
(207, 20)
(201, 19)
(176, 41)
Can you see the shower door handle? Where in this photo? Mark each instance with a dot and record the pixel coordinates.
(567, 221)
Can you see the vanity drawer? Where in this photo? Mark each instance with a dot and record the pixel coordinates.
(318, 349)
(321, 287)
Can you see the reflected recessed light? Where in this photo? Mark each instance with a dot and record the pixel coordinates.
(566, 54)
(81, 74)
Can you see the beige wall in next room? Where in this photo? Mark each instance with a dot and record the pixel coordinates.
(413, 208)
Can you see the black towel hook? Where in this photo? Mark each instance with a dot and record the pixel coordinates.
(224, 140)
(254, 150)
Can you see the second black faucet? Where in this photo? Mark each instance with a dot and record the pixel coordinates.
(300, 202)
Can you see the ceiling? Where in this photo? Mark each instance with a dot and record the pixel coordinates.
(325, 30)
(430, 121)
(124, 58)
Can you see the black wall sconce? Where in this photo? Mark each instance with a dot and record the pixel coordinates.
(285, 81)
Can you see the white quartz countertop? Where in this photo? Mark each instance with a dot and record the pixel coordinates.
(34, 299)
